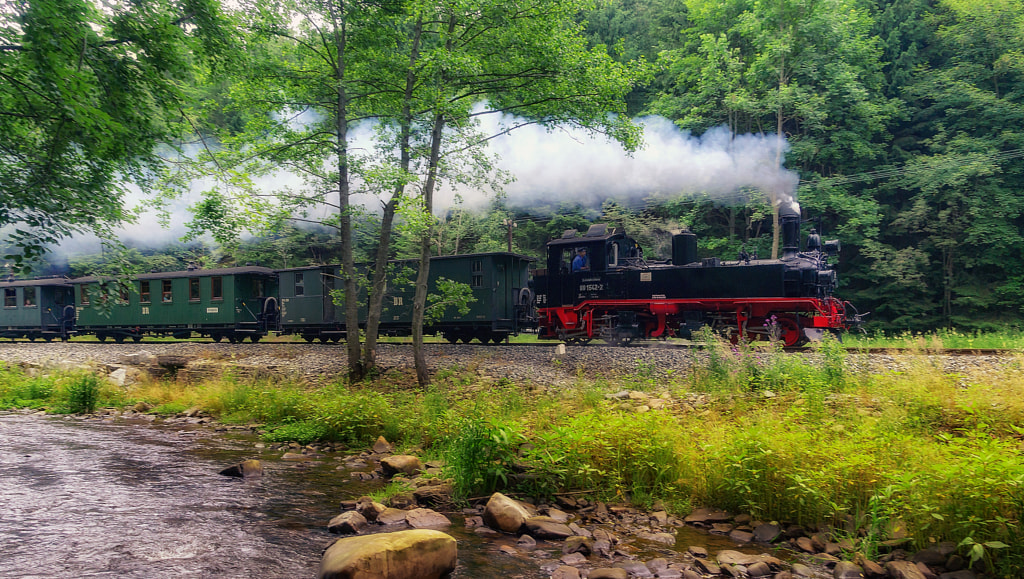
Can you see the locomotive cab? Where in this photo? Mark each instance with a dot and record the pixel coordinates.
(598, 250)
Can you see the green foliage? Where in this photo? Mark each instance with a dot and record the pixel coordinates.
(480, 457)
(302, 432)
(82, 394)
(88, 94)
(448, 294)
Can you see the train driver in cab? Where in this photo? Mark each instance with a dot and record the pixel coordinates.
(580, 262)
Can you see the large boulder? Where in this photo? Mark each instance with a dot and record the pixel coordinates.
(505, 514)
(415, 554)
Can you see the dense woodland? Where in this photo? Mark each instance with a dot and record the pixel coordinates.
(903, 119)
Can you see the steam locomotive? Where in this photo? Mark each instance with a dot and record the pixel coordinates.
(598, 286)
(611, 294)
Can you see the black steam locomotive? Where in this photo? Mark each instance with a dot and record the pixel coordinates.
(598, 286)
(595, 286)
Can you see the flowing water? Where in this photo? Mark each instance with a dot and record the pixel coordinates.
(91, 498)
(86, 498)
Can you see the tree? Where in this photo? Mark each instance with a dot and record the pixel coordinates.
(805, 71)
(524, 59)
(87, 94)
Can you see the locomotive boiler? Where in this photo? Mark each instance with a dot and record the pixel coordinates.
(598, 286)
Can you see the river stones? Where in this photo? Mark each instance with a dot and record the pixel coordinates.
(505, 514)
(847, 570)
(401, 464)
(414, 554)
(369, 508)
(244, 469)
(903, 570)
(767, 533)
(547, 528)
(426, 518)
(391, 516)
(609, 573)
(433, 495)
(381, 446)
(347, 523)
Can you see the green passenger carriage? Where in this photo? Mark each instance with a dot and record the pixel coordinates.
(233, 303)
(37, 309)
(499, 282)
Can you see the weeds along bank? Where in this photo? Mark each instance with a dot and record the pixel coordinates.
(824, 439)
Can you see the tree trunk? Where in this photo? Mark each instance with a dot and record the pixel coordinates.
(378, 285)
(348, 267)
(420, 300)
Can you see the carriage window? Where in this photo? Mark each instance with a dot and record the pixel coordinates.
(478, 266)
(28, 297)
(217, 288)
(144, 292)
(122, 297)
(613, 254)
(257, 288)
(478, 281)
(85, 295)
(300, 285)
(193, 289)
(10, 298)
(165, 295)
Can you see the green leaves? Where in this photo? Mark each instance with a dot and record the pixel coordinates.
(85, 98)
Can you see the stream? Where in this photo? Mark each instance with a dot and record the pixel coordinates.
(123, 498)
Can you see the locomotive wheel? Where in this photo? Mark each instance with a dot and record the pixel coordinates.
(790, 332)
(452, 338)
(217, 337)
(335, 339)
(324, 339)
(31, 338)
(48, 339)
(119, 339)
(255, 338)
(101, 337)
(309, 338)
(136, 339)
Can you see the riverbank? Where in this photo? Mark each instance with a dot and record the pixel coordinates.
(867, 446)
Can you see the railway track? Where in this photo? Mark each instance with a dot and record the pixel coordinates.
(895, 351)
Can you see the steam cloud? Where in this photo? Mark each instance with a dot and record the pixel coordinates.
(575, 167)
(568, 165)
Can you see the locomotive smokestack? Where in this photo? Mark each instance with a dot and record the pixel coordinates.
(789, 220)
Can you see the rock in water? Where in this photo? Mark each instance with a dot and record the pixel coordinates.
(248, 468)
(401, 464)
(416, 554)
(505, 514)
(382, 446)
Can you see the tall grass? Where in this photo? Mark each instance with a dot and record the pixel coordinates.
(798, 438)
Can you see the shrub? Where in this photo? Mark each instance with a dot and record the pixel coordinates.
(82, 394)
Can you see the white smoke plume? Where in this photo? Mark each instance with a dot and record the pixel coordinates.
(565, 165)
(572, 166)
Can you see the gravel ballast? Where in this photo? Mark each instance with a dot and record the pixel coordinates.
(540, 365)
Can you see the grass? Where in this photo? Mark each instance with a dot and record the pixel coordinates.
(1006, 339)
(749, 430)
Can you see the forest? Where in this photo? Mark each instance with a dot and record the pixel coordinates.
(900, 122)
